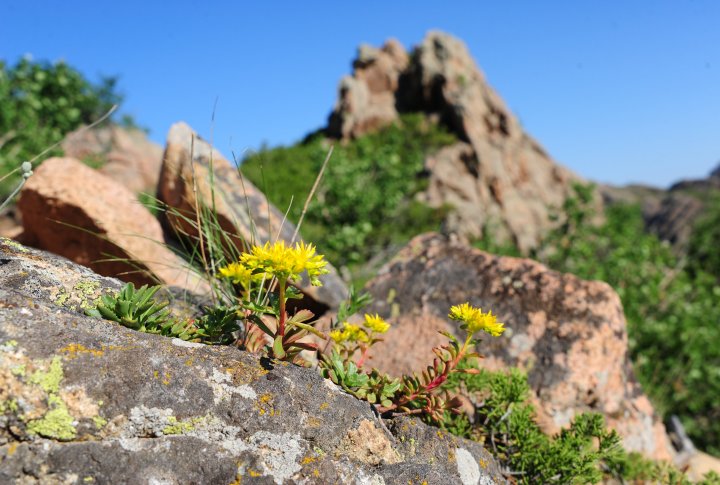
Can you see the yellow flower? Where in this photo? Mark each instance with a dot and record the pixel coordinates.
(350, 333)
(376, 323)
(286, 262)
(475, 320)
(239, 274)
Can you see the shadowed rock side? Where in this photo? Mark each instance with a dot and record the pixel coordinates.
(498, 178)
(126, 155)
(100, 403)
(74, 211)
(241, 208)
(568, 334)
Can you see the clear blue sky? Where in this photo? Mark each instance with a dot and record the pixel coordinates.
(619, 91)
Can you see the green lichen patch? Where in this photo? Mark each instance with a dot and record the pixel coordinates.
(99, 421)
(57, 422)
(14, 245)
(50, 379)
(178, 427)
(8, 405)
(83, 295)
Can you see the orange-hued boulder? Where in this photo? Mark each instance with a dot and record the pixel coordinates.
(124, 154)
(74, 211)
(568, 334)
(187, 181)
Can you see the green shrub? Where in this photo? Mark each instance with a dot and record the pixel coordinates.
(39, 104)
(365, 201)
(704, 247)
(586, 452)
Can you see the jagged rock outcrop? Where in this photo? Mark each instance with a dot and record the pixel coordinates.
(75, 211)
(498, 178)
(568, 334)
(125, 155)
(241, 208)
(85, 400)
(366, 100)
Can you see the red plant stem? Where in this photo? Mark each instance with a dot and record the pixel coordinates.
(363, 356)
(436, 382)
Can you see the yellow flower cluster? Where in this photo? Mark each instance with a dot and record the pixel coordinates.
(376, 323)
(286, 262)
(350, 333)
(475, 320)
(240, 274)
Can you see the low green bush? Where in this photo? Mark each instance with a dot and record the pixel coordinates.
(365, 200)
(586, 452)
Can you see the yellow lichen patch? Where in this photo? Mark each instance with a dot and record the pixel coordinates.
(178, 427)
(254, 473)
(49, 380)
(72, 351)
(166, 378)
(13, 388)
(99, 421)
(313, 422)
(307, 460)
(324, 406)
(264, 405)
(245, 374)
(11, 448)
(189, 362)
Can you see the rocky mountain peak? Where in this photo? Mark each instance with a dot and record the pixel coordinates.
(497, 177)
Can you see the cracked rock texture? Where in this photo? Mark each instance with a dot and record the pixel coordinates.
(84, 400)
(567, 333)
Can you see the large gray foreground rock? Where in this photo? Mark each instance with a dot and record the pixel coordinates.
(88, 401)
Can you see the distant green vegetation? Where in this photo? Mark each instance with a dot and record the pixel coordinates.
(704, 250)
(672, 307)
(365, 201)
(39, 104)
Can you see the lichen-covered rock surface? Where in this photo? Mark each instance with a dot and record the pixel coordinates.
(84, 400)
(568, 334)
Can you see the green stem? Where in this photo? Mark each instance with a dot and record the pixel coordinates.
(282, 316)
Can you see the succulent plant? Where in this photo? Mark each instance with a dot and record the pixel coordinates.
(133, 308)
